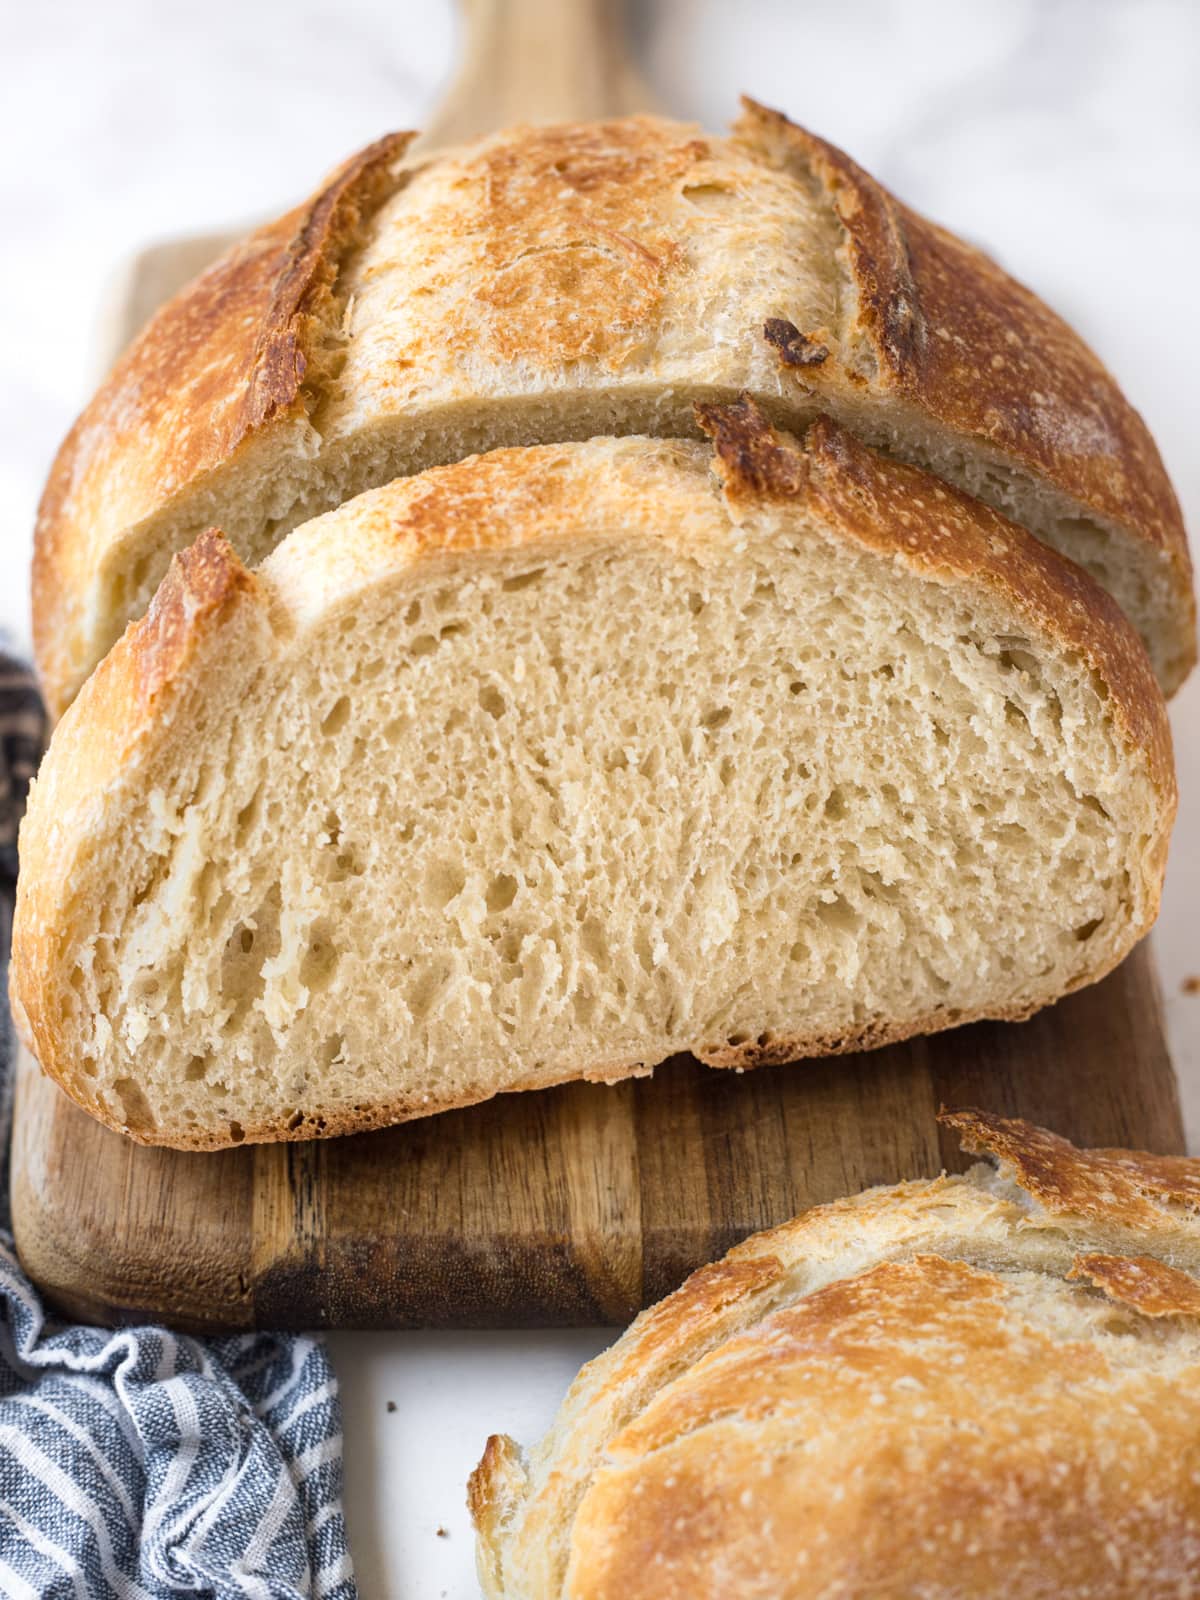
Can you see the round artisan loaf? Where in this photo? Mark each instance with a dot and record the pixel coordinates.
(558, 283)
(960, 1389)
(558, 761)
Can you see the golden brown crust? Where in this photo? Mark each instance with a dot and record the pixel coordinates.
(1151, 1287)
(206, 594)
(200, 585)
(576, 254)
(496, 1480)
(938, 322)
(903, 1414)
(218, 363)
(1130, 1186)
(756, 463)
(909, 1479)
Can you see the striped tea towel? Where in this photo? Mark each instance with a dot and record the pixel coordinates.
(140, 1463)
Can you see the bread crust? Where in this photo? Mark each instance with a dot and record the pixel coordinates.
(237, 352)
(929, 333)
(937, 322)
(330, 1124)
(1095, 1185)
(911, 1388)
(211, 612)
(1153, 1288)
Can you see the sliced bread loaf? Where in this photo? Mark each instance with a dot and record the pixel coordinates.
(555, 762)
(551, 284)
(960, 1389)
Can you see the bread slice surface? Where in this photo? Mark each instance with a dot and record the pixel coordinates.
(552, 284)
(556, 762)
(973, 1386)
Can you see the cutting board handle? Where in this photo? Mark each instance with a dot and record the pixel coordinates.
(537, 61)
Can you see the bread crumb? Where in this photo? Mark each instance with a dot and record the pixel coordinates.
(443, 1533)
(1191, 984)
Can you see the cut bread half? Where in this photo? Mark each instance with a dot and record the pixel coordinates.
(559, 283)
(555, 762)
(955, 1389)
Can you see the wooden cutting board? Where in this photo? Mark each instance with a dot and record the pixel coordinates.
(576, 1205)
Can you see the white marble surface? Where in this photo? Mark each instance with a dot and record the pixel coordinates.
(1062, 134)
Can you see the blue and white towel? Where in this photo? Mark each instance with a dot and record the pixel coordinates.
(140, 1463)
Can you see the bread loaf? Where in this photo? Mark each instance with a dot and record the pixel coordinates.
(960, 1389)
(555, 762)
(551, 284)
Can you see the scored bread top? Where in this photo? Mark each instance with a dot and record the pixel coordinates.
(236, 354)
(214, 625)
(962, 1387)
(586, 279)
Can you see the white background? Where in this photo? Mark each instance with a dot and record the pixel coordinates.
(1064, 135)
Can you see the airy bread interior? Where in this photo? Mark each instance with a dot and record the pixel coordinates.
(498, 820)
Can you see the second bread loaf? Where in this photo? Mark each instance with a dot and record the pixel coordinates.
(966, 1389)
(560, 283)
